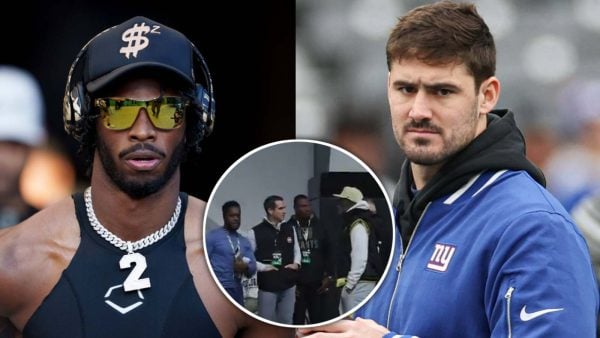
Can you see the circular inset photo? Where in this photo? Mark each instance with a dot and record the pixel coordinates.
(298, 233)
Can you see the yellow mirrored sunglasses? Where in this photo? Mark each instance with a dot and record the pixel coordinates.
(165, 112)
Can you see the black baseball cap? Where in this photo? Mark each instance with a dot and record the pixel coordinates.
(138, 44)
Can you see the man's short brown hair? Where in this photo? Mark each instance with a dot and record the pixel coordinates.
(442, 33)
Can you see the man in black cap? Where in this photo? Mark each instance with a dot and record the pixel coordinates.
(124, 259)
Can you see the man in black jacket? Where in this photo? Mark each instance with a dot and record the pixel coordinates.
(313, 292)
(277, 261)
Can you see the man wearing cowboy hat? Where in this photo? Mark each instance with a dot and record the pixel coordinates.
(359, 265)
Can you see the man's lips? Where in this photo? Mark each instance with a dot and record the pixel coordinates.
(142, 160)
(421, 131)
(423, 128)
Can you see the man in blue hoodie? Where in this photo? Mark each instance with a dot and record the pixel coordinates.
(488, 252)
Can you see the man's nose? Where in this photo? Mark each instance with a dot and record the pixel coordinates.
(421, 107)
(142, 128)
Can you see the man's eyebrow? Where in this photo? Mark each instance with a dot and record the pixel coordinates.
(428, 86)
(442, 85)
(403, 83)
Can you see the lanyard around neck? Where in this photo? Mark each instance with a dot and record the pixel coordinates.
(234, 248)
(305, 229)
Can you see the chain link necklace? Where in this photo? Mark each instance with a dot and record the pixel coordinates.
(133, 281)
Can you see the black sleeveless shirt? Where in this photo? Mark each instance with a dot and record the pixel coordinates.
(89, 300)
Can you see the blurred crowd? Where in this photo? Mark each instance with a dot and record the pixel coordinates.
(33, 172)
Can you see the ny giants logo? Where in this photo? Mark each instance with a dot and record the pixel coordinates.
(442, 254)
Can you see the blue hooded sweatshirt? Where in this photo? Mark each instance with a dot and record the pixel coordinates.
(489, 252)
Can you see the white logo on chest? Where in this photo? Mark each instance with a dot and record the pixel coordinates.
(122, 309)
(132, 283)
(442, 254)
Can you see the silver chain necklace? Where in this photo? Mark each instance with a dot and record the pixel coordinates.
(134, 282)
(128, 245)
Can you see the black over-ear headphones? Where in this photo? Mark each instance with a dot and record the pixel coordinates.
(77, 102)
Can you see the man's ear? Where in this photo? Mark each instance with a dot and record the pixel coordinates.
(489, 93)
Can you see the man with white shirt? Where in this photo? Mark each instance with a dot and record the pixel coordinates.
(359, 265)
(277, 260)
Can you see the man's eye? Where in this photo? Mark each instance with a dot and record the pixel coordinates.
(444, 92)
(407, 89)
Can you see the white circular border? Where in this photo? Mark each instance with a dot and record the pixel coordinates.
(272, 144)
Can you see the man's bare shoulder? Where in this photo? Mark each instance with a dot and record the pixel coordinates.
(194, 219)
(53, 222)
(31, 250)
(196, 207)
(47, 225)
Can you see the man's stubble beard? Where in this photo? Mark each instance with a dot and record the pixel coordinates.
(421, 156)
(138, 189)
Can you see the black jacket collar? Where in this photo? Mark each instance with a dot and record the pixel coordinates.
(500, 146)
